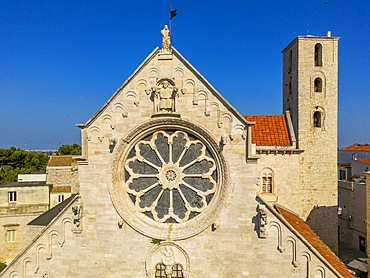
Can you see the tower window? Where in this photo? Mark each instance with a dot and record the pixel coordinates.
(317, 118)
(290, 87)
(318, 55)
(290, 61)
(318, 85)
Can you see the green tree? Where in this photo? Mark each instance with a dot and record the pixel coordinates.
(2, 266)
(14, 161)
(66, 149)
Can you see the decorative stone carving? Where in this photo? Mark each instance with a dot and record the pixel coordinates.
(161, 178)
(77, 210)
(165, 96)
(167, 258)
(171, 176)
(262, 221)
(112, 141)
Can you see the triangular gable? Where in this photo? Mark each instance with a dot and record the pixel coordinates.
(151, 56)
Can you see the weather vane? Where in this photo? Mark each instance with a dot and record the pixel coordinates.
(173, 13)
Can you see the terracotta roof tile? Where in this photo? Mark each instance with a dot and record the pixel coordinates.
(301, 227)
(61, 160)
(357, 147)
(364, 160)
(269, 130)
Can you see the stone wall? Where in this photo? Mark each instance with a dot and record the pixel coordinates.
(101, 248)
(31, 202)
(63, 177)
(318, 162)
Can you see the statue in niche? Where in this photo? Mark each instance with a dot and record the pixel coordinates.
(166, 39)
(165, 98)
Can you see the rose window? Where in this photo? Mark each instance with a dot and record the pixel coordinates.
(170, 176)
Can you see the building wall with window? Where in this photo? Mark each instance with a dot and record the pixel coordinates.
(20, 203)
(285, 179)
(352, 214)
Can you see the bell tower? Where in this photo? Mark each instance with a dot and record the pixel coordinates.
(310, 94)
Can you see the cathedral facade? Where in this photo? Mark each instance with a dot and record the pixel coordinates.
(174, 182)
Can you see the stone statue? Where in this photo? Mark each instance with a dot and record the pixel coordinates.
(166, 40)
(166, 96)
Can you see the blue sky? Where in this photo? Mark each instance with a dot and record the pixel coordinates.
(61, 60)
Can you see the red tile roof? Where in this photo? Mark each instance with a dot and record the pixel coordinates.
(357, 147)
(61, 160)
(301, 227)
(269, 130)
(364, 160)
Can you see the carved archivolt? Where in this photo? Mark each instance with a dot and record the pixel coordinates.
(238, 129)
(277, 226)
(189, 86)
(319, 272)
(202, 95)
(293, 242)
(108, 120)
(167, 254)
(168, 179)
(215, 104)
(94, 134)
(305, 259)
(120, 108)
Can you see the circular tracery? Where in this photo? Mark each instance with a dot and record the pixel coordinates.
(171, 176)
(168, 179)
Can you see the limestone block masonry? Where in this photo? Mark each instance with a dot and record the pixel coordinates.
(168, 188)
(310, 93)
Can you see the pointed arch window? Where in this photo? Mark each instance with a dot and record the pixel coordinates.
(318, 85)
(267, 181)
(318, 55)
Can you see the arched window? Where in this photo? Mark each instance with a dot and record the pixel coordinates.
(266, 181)
(290, 61)
(318, 85)
(317, 119)
(318, 55)
(175, 271)
(290, 87)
